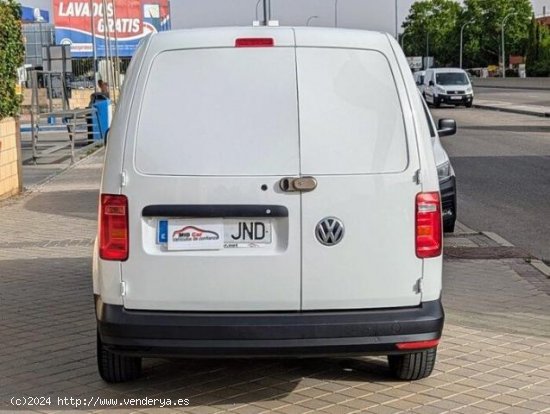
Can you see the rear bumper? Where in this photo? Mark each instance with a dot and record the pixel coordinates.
(266, 334)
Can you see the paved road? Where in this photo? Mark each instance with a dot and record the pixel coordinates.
(516, 96)
(502, 163)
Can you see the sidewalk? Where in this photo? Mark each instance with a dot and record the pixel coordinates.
(494, 356)
(502, 106)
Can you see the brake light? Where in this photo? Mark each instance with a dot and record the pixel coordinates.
(113, 227)
(418, 345)
(254, 42)
(428, 225)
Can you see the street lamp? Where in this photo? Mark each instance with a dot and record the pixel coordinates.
(396, 23)
(257, 5)
(267, 11)
(462, 39)
(335, 13)
(310, 18)
(503, 43)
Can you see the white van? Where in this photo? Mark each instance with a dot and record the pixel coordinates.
(269, 192)
(449, 86)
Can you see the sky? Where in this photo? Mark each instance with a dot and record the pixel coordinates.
(358, 14)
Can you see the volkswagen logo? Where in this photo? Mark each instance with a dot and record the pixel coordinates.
(329, 231)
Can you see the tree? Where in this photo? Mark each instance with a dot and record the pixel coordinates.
(431, 24)
(483, 38)
(11, 56)
(443, 19)
(538, 50)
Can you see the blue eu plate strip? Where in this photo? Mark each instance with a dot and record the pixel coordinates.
(162, 233)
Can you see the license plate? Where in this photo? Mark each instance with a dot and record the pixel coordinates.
(213, 234)
(456, 98)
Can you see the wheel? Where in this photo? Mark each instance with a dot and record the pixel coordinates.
(413, 366)
(437, 103)
(469, 104)
(114, 367)
(449, 227)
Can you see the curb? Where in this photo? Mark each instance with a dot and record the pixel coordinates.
(541, 267)
(513, 110)
(497, 239)
(525, 88)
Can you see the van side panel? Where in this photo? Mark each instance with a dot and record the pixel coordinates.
(432, 268)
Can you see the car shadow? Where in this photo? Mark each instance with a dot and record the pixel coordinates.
(78, 204)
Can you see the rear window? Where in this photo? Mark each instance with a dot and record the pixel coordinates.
(220, 112)
(351, 120)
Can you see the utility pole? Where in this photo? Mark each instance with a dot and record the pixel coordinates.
(335, 13)
(94, 51)
(267, 12)
(427, 48)
(503, 43)
(396, 22)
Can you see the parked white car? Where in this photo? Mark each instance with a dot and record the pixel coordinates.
(449, 86)
(281, 199)
(445, 171)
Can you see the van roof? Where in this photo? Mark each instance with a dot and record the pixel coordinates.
(447, 70)
(282, 36)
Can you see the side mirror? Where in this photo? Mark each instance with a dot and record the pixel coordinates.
(431, 83)
(446, 127)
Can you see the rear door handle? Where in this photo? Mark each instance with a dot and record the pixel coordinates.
(294, 184)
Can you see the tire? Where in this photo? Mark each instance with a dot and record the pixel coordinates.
(437, 103)
(449, 227)
(115, 368)
(469, 104)
(413, 366)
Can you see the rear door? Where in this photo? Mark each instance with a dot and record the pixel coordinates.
(209, 228)
(358, 229)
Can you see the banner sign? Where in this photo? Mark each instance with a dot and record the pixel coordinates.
(415, 62)
(130, 21)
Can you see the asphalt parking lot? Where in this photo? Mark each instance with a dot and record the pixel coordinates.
(494, 356)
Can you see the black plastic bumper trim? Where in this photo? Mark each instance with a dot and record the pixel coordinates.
(216, 210)
(449, 197)
(323, 333)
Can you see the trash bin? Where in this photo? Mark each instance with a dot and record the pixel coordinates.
(100, 122)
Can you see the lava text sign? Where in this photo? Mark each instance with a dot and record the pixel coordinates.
(77, 20)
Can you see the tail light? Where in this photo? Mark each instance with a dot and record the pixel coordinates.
(417, 345)
(113, 227)
(254, 42)
(428, 225)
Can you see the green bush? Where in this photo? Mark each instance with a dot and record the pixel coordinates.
(11, 56)
(539, 69)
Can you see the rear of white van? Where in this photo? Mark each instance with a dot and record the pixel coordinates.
(268, 192)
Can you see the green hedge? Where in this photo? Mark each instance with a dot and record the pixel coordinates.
(11, 56)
